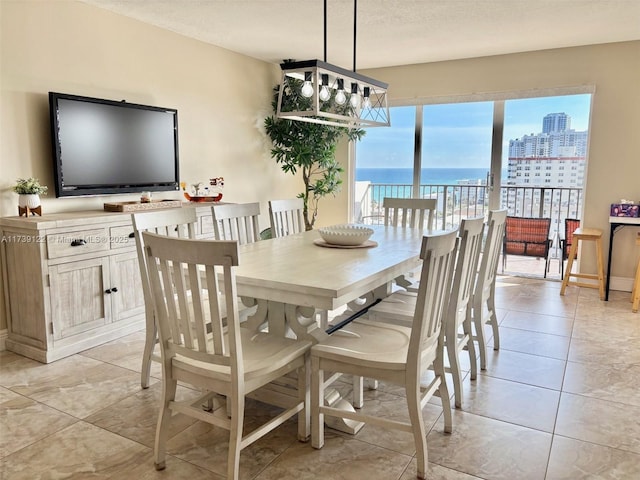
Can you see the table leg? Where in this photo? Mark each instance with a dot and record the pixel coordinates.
(611, 234)
(281, 319)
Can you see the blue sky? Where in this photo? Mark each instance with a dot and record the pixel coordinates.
(459, 135)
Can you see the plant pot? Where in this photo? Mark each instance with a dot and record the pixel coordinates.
(29, 204)
(31, 200)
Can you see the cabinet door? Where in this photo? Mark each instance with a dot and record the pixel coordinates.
(79, 301)
(127, 297)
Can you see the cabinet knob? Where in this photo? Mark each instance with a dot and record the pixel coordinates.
(114, 289)
(132, 235)
(78, 242)
(108, 290)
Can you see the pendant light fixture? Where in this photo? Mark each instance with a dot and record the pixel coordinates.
(314, 91)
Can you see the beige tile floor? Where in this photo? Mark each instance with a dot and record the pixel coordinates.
(560, 400)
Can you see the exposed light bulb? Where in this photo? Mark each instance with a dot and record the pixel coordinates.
(366, 103)
(307, 89)
(325, 93)
(341, 97)
(354, 99)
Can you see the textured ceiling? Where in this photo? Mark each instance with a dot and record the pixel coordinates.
(389, 32)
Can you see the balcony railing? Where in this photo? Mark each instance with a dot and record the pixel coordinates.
(455, 202)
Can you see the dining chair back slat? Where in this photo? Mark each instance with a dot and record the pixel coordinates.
(237, 221)
(286, 217)
(179, 222)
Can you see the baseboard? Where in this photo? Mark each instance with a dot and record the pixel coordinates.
(621, 284)
(3, 339)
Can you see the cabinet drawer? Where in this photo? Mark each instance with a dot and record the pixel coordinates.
(76, 243)
(119, 237)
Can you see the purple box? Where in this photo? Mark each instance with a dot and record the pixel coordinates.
(625, 210)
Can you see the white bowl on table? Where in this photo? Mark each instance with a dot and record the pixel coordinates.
(346, 234)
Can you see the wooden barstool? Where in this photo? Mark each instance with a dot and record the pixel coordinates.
(585, 234)
(635, 294)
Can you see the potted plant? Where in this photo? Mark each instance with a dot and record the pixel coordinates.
(309, 147)
(29, 191)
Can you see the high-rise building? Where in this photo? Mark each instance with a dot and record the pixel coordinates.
(556, 122)
(554, 158)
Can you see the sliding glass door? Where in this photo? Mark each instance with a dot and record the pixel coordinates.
(528, 155)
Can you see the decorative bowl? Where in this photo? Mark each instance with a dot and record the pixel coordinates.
(345, 234)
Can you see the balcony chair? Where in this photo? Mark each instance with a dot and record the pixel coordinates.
(483, 305)
(394, 354)
(570, 225)
(218, 357)
(398, 308)
(285, 217)
(528, 237)
(236, 221)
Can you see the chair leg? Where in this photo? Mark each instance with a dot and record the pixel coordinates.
(304, 420)
(636, 291)
(317, 399)
(493, 320)
(471, 347)
(546, 266)
(572, 255)
(417, 422)
(443, 392)
(454, 361)
(479, 328)
(151, 334)
(358, 392)
(164, 420)
(235, 437)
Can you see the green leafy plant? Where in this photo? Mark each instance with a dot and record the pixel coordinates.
(29, 186)
(310, 148)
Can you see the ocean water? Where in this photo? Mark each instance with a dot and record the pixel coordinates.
(429, 176)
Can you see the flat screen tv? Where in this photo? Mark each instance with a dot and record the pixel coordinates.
(105, 147)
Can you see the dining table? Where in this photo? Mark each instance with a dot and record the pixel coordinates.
(292, 278)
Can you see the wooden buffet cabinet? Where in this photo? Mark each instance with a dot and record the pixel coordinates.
(71, 280)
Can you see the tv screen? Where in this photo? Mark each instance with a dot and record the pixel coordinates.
(109, 147)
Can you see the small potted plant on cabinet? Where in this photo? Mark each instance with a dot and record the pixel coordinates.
(29, 191)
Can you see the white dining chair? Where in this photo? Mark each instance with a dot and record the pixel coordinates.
(409, 212)
(394, 354)
(483, 305)
(178, 222)
(285, 217)
(416, 213)
(398, 308)
(218, 357)
(236, 221)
